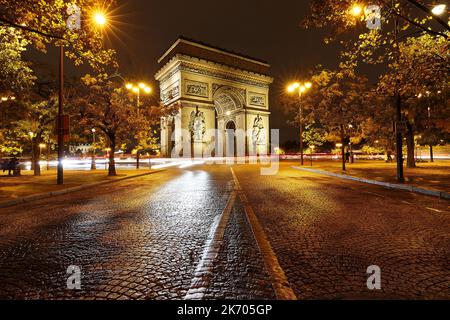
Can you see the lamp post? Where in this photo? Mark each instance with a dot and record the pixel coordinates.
(339, 146)
(300, 89)
(311, 148)
(138, 89)
(7, 98)
(48, 156)
(73, 23)
(32, 136)
(41, 146)
(93, 166)
(357, 11)
(100, 20)
(108, 150)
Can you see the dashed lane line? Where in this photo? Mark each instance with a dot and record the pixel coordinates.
(204, 270)
(432, 209)
(280, 283)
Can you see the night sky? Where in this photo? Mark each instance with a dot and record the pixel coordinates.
(264, 29)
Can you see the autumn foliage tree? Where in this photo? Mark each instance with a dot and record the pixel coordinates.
(44, 23)
(336, 102)
(106, 106)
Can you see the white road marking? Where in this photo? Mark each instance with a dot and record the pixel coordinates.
(280, 283)
(432, 209)
(203, 272)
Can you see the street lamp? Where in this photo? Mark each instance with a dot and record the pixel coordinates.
(300, 89)
(137, 89)
(32, 136)
(41, 146)
(6, 98)
(93, 166)
(356, 10)
(99, 19)
(438, 9)
(311, 148)
(108, 150)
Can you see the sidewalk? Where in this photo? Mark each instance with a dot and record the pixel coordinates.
(434, 176)
(12, 188)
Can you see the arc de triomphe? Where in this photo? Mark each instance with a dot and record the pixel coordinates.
(213, 89)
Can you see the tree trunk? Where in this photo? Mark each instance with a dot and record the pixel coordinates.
(343, 150)
(411, 161)
(112, 163)
(137, 159)
(36, 166)
(431, 154)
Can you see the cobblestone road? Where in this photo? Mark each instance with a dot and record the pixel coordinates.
(143, 238)
(326, 232)
(134, 240)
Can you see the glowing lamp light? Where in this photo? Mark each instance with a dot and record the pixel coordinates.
(129, 86)
(308, 85)
(356, 10)
(438, 9)
(147, 89)
(135, 89)
(100, 18)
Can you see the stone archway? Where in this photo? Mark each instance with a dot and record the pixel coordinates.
(229, 103)
(223, 86)
(230, 139)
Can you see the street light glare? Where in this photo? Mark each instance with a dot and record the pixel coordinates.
(356, 10)
(308, 85)
(142, 85)
(100, 18)
(129, 86)
(147, 89)
(136, 89)
(439, 9)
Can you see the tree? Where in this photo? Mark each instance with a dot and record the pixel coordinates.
(421, 78)
(336, 103)
(16, 74)
(37, 126)
(314, 135)
(43, 23)
(382, 45)
(343, 16)
(105, 105)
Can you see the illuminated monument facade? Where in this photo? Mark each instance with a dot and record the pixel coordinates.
(220, 101)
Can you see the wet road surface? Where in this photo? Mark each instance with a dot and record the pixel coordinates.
(144, 238)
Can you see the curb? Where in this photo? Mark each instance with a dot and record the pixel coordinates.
(396, 186)
(41, 196)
